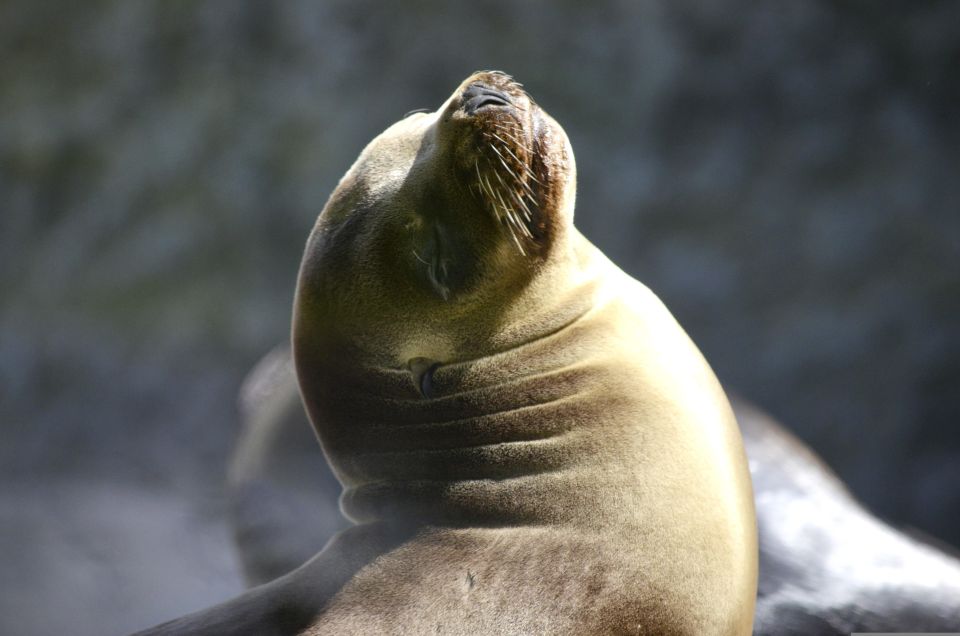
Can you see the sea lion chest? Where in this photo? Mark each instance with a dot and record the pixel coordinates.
(553, 485)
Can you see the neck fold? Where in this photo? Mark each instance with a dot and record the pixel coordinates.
(497, 444)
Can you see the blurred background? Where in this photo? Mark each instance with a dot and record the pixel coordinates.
(785, 176)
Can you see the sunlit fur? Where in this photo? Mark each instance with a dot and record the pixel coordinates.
(575, 468)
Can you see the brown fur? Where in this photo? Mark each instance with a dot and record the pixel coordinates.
(571, 465)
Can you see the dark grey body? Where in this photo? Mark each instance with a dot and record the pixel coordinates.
(827, 566)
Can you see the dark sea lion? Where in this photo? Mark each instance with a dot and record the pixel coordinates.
(827, 566)
(527, 440)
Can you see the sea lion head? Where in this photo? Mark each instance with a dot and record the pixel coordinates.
(443, 219)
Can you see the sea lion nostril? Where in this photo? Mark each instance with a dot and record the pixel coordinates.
(478, 96)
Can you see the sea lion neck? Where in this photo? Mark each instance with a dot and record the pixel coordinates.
(478, 451)
(442, 263)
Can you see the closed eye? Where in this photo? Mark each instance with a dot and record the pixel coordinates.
(418, 110)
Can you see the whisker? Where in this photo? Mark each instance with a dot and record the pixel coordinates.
(526, 211)
(503, 161)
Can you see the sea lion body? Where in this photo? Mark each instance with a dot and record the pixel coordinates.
(575, 468)
(527, 440)
(568, 484)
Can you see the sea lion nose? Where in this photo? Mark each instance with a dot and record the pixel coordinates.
(479, 96)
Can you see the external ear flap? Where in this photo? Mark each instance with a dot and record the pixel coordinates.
(421, 369)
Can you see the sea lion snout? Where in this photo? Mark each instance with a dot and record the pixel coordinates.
(479, 96)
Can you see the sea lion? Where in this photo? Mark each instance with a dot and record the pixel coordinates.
(527, 440)
(827, 566)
